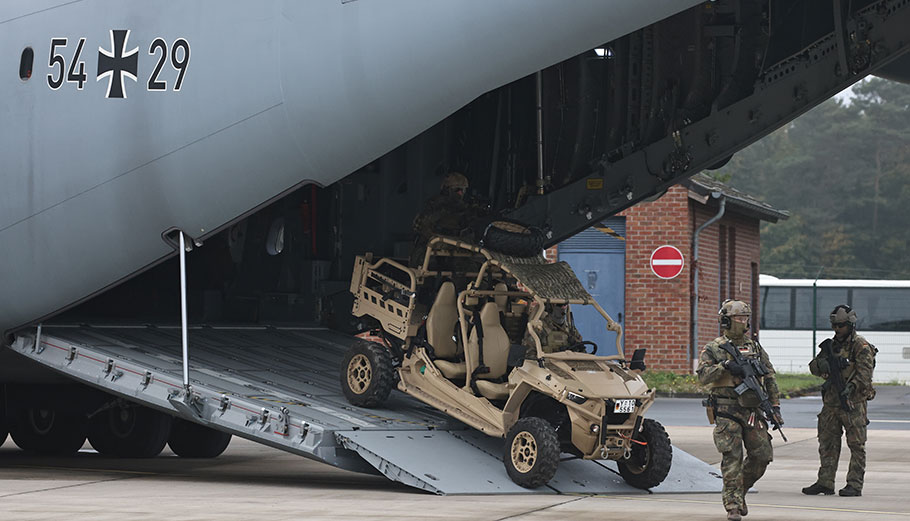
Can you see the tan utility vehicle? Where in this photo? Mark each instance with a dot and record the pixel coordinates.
(462, 332)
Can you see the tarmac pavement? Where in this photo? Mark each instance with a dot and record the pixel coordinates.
(251, 481)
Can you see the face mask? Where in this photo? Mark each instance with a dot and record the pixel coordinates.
(737, 330)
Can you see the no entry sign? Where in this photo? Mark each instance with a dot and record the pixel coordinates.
(667, 262)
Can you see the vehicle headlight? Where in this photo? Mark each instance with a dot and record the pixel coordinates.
(577, 398)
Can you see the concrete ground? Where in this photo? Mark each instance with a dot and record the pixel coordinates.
(254, 482)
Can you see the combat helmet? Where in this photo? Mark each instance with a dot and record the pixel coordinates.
(843, 313)
(452, 182)
(732, 308)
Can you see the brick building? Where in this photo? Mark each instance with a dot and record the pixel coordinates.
(663, 315)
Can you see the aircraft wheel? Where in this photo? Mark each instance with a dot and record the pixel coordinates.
(191, 440)
(47, 431)
(648, 465)
(531, 452)
(512, 238)
(4, 426)
(367, 375)
(130, 432)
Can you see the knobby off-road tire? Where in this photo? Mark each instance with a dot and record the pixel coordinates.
(130, 432)
(47, 431)
(531, 452)
(191, 440)
(367, 374)
(512, 238)
(649, 464)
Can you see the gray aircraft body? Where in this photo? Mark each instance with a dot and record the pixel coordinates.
(136, 118)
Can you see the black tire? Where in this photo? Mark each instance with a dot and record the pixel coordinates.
(130, 432)
(191, 440)
(47, 431)
(4, 426)
(531, 452)
(367, 374)
(511, 238)
(648, 465)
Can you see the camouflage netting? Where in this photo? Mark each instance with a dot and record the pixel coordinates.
(547, 281)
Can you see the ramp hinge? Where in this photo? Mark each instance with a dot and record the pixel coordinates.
(109, 366)
(284, 421)
(146, 379)
(224, 404)
(304, 430)
(71, 354)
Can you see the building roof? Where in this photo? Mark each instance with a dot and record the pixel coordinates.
(701, 186)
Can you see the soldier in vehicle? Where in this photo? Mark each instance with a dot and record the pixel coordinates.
(445, 213)
(844, 402)
(739, 421)
(557, 331)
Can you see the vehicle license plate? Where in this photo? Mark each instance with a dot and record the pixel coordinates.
(624, 406)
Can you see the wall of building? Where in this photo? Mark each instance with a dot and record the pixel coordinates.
(658, 310)
(727, 251)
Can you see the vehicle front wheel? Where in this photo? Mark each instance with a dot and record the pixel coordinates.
(650, 459)
(531, 452)
(367, 374)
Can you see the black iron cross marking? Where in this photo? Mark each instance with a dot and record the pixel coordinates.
(117, 63)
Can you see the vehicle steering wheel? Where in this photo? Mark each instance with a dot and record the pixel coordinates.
(580, 346)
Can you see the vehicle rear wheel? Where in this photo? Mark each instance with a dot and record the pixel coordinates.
(648, 465)
(512, 238)
(367, 374)
(191, 440)
(531, 452)
(47, 431)
(130, 432)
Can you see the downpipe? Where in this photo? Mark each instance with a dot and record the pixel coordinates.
(693, 350)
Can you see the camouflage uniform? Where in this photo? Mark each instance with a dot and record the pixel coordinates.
(553, 336)
(739, 421)
(833, 421)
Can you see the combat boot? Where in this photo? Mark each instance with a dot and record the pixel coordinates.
(733, 515)
(816, 488)
(850, 491)
(744, 510)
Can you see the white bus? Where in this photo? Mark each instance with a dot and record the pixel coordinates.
(786, 321)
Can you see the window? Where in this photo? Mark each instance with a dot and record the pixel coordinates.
(775, 308)
(25, 64)
(882, 309)
(827, 299)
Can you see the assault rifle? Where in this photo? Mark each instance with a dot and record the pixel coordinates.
(835, 378)
(752, 369)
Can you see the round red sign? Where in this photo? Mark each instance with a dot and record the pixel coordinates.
(667, 262)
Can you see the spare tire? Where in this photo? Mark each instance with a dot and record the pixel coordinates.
(511, 238)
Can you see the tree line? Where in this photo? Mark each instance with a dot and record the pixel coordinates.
(842, 170)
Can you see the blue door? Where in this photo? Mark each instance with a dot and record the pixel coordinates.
(598, 257)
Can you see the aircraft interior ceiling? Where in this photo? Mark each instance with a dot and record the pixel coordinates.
(290, 261)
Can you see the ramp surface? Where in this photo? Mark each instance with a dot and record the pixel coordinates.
(280, 387)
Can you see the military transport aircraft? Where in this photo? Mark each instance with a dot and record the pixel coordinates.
(284, 137)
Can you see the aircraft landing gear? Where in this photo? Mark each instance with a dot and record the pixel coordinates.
(130, 432)
(47, 431)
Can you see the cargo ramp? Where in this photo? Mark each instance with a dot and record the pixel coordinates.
(279, 386)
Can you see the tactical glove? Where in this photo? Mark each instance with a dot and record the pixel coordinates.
(777, 415)
(848, 389)
(734, 368)
(823, 366)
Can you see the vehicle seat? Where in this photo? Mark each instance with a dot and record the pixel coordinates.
(495, 353)
(440, 324)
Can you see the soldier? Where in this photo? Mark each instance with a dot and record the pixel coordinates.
(843, 409)
(446, 213)
(557, 332)
(739, 420)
